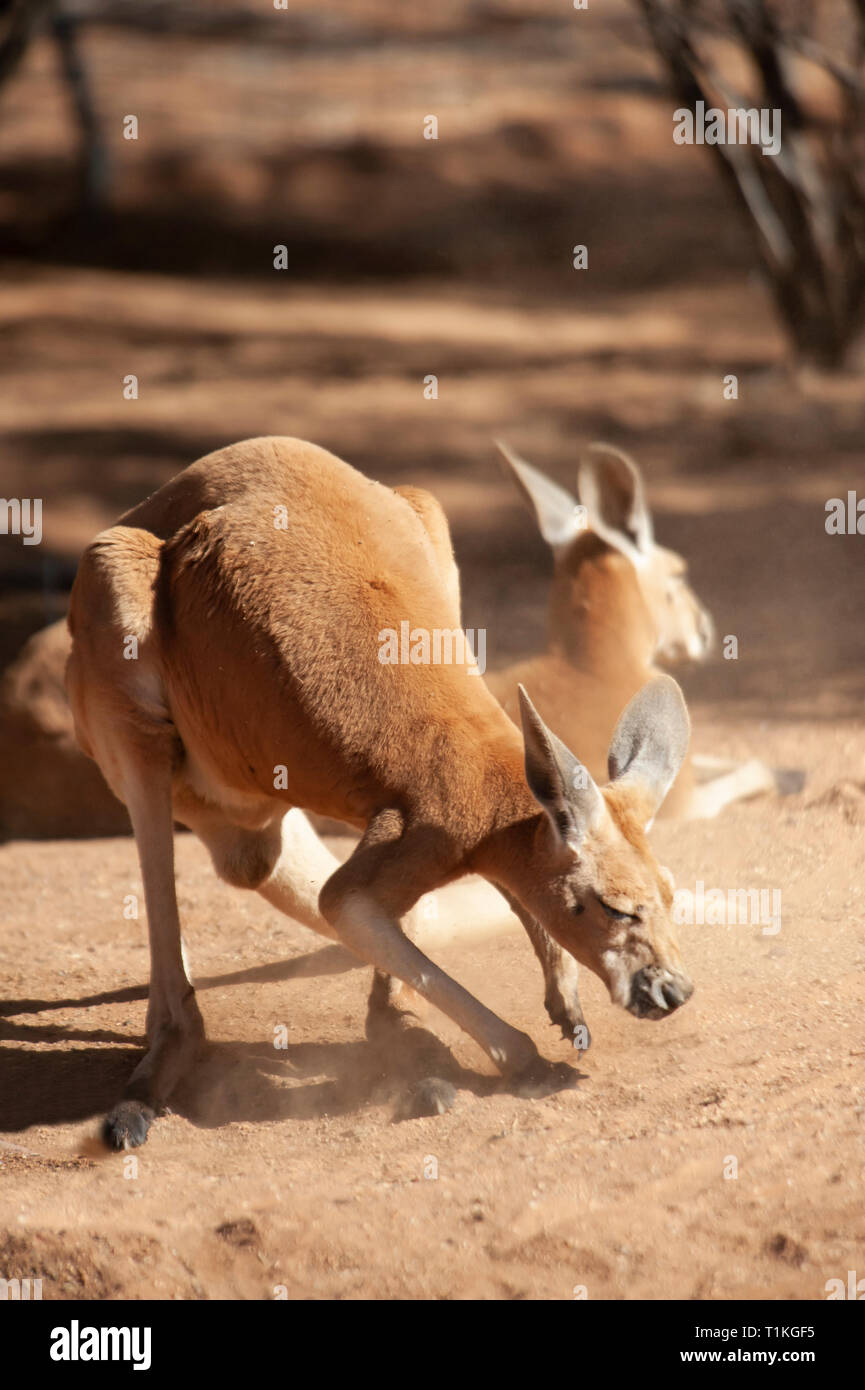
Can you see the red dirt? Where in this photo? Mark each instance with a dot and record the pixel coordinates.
(284, 1168)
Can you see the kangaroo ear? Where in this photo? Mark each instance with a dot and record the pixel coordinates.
(611, 486)
(651, 739)
(560, 516)
(557, 780)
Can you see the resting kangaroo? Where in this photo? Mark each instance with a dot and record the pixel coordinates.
(619, 603)
(257, 686)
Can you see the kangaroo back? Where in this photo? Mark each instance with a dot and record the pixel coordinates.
(322, 584)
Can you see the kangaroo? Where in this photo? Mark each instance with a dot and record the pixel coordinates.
(252, 592)
(619, 603)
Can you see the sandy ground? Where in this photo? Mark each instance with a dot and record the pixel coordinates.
(284, 1168)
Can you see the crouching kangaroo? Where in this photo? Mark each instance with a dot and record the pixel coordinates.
(257, 585)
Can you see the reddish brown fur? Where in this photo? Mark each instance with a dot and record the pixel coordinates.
(601, 638)
(258, 649)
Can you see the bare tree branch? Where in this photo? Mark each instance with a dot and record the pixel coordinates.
(806, 205)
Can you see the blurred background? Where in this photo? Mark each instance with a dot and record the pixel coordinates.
(407, 257)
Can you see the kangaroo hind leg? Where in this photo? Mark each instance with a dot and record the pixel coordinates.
(122, 721)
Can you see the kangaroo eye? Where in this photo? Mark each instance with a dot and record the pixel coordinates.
(616, 914)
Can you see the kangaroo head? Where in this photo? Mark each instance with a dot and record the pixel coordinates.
(613, 509)
(596, 887)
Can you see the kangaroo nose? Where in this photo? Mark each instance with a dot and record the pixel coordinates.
(655, 993)
(677, 991)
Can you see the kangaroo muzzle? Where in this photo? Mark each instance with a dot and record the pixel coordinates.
(656, 992)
